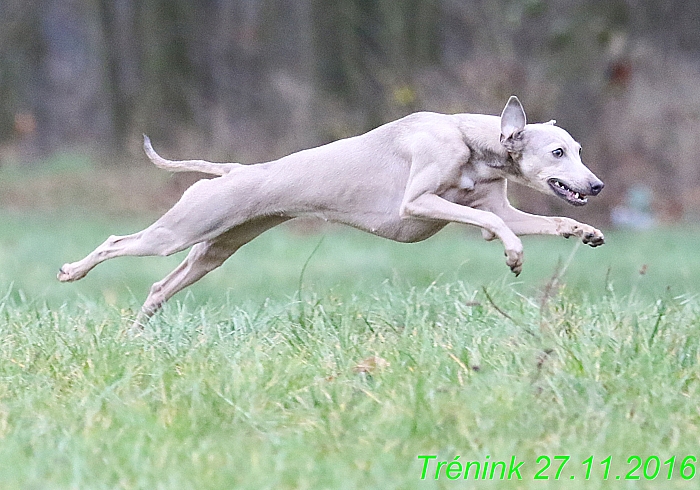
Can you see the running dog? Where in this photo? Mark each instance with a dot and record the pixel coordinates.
(403, 181)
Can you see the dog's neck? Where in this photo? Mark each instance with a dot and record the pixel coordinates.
(481, 134)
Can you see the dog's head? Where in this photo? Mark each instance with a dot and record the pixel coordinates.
(546, 157)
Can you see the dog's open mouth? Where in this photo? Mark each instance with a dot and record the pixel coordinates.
(567, 193)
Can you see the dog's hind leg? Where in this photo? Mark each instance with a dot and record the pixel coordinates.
(202, 259)
(206, 210)
(151, 241)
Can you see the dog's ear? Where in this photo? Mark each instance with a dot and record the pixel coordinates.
(512, 124)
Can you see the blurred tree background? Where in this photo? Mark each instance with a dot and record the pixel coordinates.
(251, 80)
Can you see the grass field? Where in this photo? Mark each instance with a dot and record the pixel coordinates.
(341, 377)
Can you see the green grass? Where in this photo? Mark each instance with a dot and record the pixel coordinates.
(249, 381)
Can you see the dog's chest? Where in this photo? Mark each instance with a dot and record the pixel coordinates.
(463, 189)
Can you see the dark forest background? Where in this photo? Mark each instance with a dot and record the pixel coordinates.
(251, 80)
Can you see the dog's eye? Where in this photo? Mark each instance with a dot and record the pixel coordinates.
(558, 153)
(579, 151)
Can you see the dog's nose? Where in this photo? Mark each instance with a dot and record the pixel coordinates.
(596, 187)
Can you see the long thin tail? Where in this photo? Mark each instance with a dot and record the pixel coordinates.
(186, 165)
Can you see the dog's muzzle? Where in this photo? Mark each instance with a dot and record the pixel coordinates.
(573, 195)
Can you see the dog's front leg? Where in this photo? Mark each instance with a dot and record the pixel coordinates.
(432, 206)
(530, 224)
(568, 227)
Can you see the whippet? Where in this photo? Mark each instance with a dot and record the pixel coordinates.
(403, 181)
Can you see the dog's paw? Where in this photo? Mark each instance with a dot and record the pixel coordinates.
(588, 235)
(594, 238)
(67, 274)
(514, 260)
(63, 275)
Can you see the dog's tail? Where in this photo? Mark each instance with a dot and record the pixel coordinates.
(186, 165)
